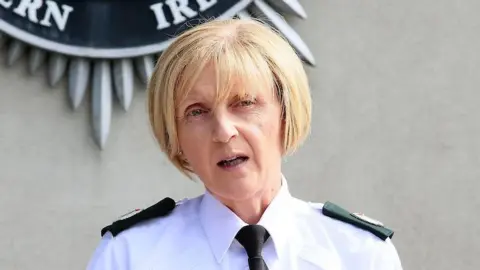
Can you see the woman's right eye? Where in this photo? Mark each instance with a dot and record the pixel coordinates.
(195, 112)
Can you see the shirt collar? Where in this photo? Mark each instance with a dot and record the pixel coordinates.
(221, 224)
(278, 220)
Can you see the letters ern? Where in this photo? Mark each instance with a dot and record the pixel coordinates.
(52, 11)
(29, 9)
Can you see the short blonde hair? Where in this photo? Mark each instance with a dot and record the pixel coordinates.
(237, 48)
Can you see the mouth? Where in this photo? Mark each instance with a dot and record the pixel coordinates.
(232, 162)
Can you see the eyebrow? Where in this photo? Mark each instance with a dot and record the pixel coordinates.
(189, 100)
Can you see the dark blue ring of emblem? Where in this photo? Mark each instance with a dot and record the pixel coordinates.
(107, 28)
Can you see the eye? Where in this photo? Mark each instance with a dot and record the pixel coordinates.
(246, 103)
(195, 112)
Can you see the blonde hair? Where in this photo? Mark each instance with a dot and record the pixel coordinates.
(236, 48)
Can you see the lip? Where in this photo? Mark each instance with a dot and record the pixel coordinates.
(231, 156)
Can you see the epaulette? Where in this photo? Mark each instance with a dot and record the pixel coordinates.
(160, 209)
(359, 220)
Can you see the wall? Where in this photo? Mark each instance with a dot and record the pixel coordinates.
(395, 134)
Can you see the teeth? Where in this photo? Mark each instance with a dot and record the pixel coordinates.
(228, 162)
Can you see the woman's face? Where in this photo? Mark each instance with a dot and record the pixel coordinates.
(236, 147)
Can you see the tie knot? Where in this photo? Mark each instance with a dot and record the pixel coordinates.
(252, 238)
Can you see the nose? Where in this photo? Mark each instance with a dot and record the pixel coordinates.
(224, 128)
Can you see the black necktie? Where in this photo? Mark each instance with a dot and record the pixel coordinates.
(252, 238)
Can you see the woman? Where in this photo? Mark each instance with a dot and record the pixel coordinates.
(227, 100)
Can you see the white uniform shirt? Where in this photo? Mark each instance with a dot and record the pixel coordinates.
(200, 234)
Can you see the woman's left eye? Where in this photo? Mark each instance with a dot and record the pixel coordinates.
(246, 103)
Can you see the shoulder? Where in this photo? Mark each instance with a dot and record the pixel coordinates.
(128, 241)
(354, 237)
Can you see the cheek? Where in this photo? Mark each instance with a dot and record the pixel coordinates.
(264, 132)
(272, 128)
(189, 134)
(270, 123)
(274, 134)
(192, 142)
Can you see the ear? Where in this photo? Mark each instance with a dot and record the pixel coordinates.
(182, 157)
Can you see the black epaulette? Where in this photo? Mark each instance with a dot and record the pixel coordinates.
(359, 220)
(160, 209)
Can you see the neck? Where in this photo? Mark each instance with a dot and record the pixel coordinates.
(251, 210)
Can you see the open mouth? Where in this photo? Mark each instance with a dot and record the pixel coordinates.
(232, 162)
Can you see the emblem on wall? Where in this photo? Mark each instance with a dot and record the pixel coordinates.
(101, 45)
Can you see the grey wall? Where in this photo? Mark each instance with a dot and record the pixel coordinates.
(396, 132)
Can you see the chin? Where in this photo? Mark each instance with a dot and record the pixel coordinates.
(236, 186)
